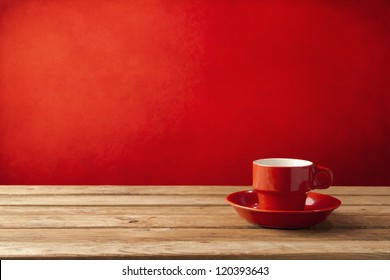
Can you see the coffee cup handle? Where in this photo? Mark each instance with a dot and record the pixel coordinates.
(324, 170)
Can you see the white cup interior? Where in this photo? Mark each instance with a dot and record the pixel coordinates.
(282, 162)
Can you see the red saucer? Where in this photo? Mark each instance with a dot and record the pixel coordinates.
(317, 209)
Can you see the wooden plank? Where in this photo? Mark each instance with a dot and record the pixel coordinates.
(18, 210)
(112, 200)
(199, 250)
(98, 235)
(119, 190)
(117, 210)
(364, 200)
(351, 250)
(180, 243)
(143, 216)
(230, 220)
(154, 200)
(352, 191)
(168, 190)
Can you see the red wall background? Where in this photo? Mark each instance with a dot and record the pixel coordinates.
(191, 92)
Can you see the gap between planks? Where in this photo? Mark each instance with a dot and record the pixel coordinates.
(169, 190)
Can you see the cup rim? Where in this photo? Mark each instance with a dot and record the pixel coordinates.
(282, 162)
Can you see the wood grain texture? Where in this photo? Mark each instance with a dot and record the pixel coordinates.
(171, 199)
(180, 222)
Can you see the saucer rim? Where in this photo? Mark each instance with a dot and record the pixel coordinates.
(338, 202)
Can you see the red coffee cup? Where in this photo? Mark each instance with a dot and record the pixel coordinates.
(282, 183)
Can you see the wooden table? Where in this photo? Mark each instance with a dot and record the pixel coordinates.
(179, 222)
